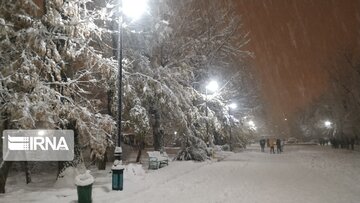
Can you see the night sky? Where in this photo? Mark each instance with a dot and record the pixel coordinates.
(294, 41)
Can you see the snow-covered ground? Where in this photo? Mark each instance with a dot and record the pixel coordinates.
(301, 174)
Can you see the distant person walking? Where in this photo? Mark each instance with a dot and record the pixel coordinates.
(278, 146)
(282, 144)
(262, 145)
(272, 146)
(352, 142)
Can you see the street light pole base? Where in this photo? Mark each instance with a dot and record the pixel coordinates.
(118, 153)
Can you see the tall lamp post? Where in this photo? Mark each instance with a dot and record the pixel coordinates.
(132, 9)
(212, 86)
(231, 106)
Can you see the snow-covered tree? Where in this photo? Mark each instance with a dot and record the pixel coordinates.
(345, 93)
(340, 104)
(165, 56)
(50, 65)
(57, 67)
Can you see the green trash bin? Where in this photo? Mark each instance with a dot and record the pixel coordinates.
(84, 193)
(117, 176)
(84, 184)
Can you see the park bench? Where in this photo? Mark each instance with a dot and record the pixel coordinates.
(157, 159)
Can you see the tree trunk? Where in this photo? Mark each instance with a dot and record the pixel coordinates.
(4, 165)
(141, 146)
(110, 95)
(62, 165)
(27, 172)
(138, 157)
(156, 131)
(101, 164)
(4, 170)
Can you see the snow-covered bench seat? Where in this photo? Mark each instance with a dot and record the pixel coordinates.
(157, 159)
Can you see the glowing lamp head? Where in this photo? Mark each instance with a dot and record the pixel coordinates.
(232, 106)
(134, 8)
(212, 86)
(327, 124)
(251, 123)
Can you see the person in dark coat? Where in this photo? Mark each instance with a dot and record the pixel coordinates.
(278, 146)
(262, 145)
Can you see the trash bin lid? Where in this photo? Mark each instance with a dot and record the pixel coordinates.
(118, 167)
(84, 179)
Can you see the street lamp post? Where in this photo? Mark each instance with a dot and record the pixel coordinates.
(211, 86)
(132, 9)
(231, 106)
(206, 114)
(118, 150)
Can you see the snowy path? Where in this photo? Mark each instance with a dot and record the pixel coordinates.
(293, 176)
(301, 174)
